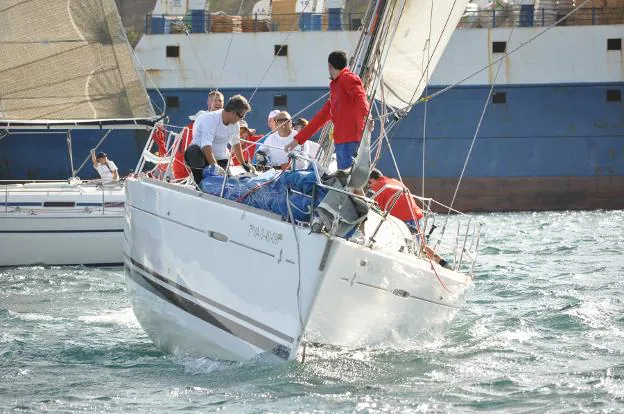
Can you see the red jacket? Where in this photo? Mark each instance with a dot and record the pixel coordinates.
(347, 108)
(248, 149)
(179, 168)
(405, 208)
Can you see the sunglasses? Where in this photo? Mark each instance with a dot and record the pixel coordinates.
(282, 120)
(239, 115)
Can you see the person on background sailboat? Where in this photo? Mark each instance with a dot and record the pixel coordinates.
(347, 107)
(215, 102)
(212, 132)
(106, 168)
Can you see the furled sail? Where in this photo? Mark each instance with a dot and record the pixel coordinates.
(68, 62)
(423, 30)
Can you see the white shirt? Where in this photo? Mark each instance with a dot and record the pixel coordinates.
(274, 145)
(106, 170)
(209, 129)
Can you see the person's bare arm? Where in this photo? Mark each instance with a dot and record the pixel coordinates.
(207, 151)
(238, 151)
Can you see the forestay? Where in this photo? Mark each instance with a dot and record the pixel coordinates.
(68, 62)
(424, 28)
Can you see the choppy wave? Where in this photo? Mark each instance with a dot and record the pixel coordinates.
(542, 332)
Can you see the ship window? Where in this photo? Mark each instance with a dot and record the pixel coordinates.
(499, 97)
(356, 24)
(280, 100)
(280, 50)
(173, 51)
(59, 204)
(173, 102)
(614, 95)
(614, 44)
(499, 47)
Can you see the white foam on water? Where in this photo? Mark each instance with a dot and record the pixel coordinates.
(193, 365)
(123, 317)
(31, 316)
(592, 314)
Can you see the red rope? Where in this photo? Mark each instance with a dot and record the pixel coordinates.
(238, 200)
(424, 245)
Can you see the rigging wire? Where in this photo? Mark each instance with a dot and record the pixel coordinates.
(474, 138)
(426, 90)
(266, 72)
(227, 53)
(294, 227)
(406, 108)
(448, 17)
(149, 78)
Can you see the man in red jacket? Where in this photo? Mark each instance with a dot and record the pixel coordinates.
(347, 108)
(404, 208)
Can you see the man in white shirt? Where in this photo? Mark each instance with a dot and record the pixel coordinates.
(274, 145)
(212, 132)
(106, 168)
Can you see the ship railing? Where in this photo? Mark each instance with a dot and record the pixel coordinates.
(529, 16)
(14, 188)
(198, 21)
(458, 246)
(452, 234)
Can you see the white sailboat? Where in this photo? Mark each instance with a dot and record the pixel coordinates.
(229, 280)
(66, 65)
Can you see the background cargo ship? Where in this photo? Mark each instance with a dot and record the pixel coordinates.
(552, 136)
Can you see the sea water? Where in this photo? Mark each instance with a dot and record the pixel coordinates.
(543, 332)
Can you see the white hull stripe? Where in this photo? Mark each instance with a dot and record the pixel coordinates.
(226, 324)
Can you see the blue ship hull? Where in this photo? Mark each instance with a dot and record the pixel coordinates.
(547, 147)
(44, 156)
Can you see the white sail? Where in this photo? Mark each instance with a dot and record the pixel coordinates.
(67, 60)
(423, 31)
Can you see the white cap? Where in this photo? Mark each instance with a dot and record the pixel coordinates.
(274, 113)
(194, 117)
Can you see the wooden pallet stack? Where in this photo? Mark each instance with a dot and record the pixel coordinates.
(250, 24)
(223, 23)
(599, 12)
(614, 12)
(284, 15)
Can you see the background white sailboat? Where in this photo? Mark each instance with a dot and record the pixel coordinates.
(65, 65)
(211, 276)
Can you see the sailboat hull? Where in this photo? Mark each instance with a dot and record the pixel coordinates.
(61, 224)
(384, 296)
(213, 278)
